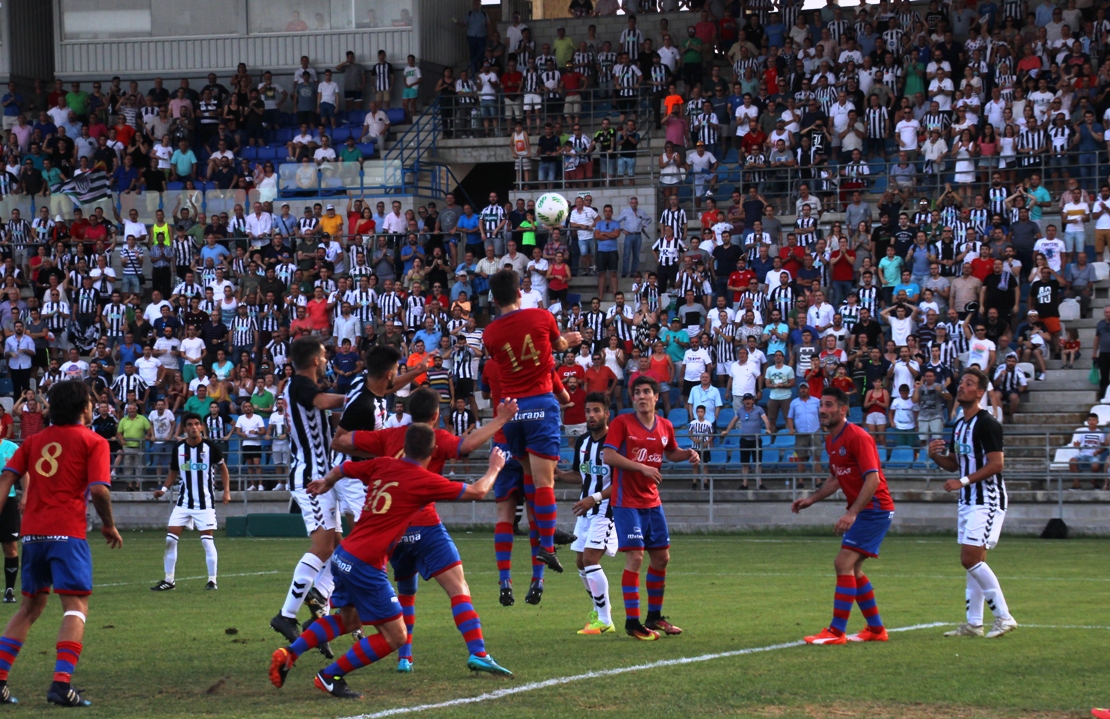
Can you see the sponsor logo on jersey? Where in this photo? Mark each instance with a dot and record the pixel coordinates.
(529, 415)
(598, 469)
(195, 466)
(642, 456)
(344, 567)
(410, 538)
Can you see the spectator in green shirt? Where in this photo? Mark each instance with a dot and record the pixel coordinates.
(78, 101)
(51, 175)
(676, 339)
(131, 431)
(691, 58)
(184, 162)
(263, 401)
(200, 402)
(350, 152)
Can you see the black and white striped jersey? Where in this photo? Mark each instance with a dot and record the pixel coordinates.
(972, 441)
(216, 426)
(128, 383)
(624, 329)
(1007, 380)
(362, 411)
(196, 473)
(589, 461)
(462, 362)
(596, 322)
(310, 433)
(243, 331)
(461, 421)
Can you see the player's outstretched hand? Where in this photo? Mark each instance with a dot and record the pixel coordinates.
(799, 504)
(112, 535)
(497, 459)
(937, 446)
(316, 487)
(845, 523)
(573, 338)
(582, 506)
(507, 409)
(953, 485)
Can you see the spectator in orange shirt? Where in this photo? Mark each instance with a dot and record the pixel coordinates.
(600, 378)
(302, 326)
(755, 140)
(416, 357)
(318, 315)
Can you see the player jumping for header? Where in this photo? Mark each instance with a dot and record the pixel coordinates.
(854, 469)
(521, 342)
(67, 463)
(397, 489)
(634, 449)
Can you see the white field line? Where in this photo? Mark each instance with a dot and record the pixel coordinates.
(533, 686)
(185, 579)
(820, 575)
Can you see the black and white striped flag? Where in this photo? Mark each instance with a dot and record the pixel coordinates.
(87, 187)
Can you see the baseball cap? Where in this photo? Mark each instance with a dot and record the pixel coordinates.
(749, 395)
(1032, 313)
(330, 207)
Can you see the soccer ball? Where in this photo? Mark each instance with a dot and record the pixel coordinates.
(552, 209)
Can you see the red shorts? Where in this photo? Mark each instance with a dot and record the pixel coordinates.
(1052, 324)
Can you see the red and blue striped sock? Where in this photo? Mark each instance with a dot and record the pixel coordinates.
(865, 598)
(545, 516)
(469, 624)
(503, 550)
(9, 650)
(367, 651)
(322, 630)
(406, 596)
(533, 529)
(656, 581)
(66, 662)
(842, 602)
(630, 587)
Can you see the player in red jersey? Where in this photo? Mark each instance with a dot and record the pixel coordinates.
(66, 463)
(397, 490)
(854, 469)
(634, 449)
(521, 342)
(426, 549)
(511, 488)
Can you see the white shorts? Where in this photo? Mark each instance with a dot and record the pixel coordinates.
(352, 496)
(595, 531)
(319, 511)
(875, 418)
(279, 452)
(532, 101)
(201, 520)
(979, 525)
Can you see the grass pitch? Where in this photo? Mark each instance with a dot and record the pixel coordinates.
(191, 653)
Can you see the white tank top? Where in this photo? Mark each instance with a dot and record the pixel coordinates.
(520, 144)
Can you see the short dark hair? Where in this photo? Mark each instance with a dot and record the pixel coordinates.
(504, 286)
(189, 417)
(303, 350)
(420, 441)
(837, 394)
(979, 375)
(380, 359)
(423, 405)
(68, 401)
(642, 380)
(597, 398)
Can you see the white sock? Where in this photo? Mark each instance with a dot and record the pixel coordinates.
(599, 590)
(169, 562)
(325, 583)
(303, 576)
(974, 596)
(585, 582)
(992, 591)
(209, 544)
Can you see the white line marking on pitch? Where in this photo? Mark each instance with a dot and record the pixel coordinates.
(185, 579)
(509, 691)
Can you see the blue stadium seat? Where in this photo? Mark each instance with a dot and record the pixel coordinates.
(7, 389)
(175, 186)
(685, 192)
(724, 417)
(396, 115)
(288, 119)
(901, 456)
(627, 410)
(340, 134)
(248, 152)
(283, 135)
(784, 440)
(731, 157)
(726, 190)
(572, 299)
(355, 117)
(679, 417)
(270, 153)
(855, 415)
(367, 149)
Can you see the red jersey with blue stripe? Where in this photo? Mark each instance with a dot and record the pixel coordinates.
(521, 343)
(396, 491)
(641, 444)
(391, 443)
(852, 456)
(63, 462)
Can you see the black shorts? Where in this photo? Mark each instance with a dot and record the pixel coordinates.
(464, 388)
(705, 455)
(688, 385)
(607, 261)
(252, 452)
(352, 94)
(749, 450)
(9, 521)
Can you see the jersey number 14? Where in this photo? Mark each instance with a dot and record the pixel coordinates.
(527, 352)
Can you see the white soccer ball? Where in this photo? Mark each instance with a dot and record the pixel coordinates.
(552, 209)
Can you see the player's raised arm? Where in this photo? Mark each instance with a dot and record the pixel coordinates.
(938, 452)
(321, 486)
(482, 487)
(344, 443)
(505, 412)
